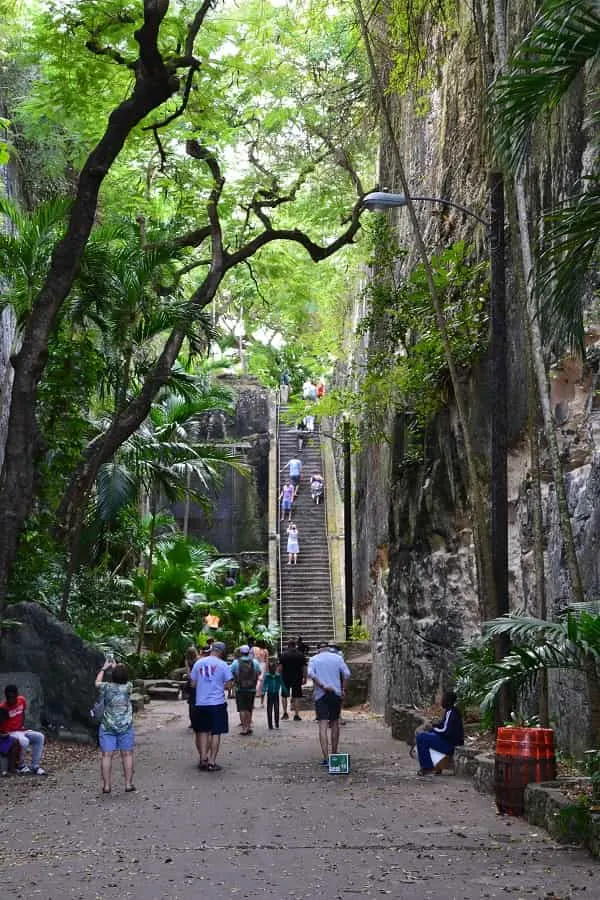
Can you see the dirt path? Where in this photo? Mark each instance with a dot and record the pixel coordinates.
(273, 824)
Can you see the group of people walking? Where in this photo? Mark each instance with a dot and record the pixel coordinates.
(211, 676)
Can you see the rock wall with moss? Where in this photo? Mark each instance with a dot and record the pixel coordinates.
(416, 571)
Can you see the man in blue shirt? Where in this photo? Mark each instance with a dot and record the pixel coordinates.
(209, 678)
(329, 675)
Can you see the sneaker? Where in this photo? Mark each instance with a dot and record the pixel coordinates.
(23, 770)
(285, 716)
(39, 771)
(297, 718)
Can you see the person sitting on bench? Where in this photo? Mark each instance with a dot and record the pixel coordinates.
(443, 737)
(16, 706)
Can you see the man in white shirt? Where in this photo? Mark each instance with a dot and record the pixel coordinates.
(329, 675)
(209, 678)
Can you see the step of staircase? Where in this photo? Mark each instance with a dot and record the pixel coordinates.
(305, 587)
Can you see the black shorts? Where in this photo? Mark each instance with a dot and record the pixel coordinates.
(295, 479)
(329, 707)
(210, 719)
(295, 689)
(244, 700)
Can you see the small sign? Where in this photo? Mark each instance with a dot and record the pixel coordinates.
(339, 763)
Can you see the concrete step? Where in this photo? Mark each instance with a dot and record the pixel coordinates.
(305, 588)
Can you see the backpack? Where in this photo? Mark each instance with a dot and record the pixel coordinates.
(247, 676)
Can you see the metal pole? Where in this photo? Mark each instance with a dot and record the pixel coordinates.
(349, 606)
(499, 481)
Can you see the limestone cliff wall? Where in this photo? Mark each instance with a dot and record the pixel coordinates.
(415, 573)
(238, 523)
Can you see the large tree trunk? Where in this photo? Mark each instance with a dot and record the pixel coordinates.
(154, 85)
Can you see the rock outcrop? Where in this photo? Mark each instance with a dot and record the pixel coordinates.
(415, 574)
(53, 668)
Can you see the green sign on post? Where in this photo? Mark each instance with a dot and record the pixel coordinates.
(339, 763)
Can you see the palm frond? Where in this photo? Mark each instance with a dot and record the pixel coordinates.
(564, 37)
(571, 239)
(521, 628)
(115, 488)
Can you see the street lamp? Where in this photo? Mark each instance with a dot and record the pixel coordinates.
(381, 201)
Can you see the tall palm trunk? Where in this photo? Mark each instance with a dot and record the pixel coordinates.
(537, 353)
(148, 583)
(538, 530)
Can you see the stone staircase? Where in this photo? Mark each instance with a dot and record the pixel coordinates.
(306, 607)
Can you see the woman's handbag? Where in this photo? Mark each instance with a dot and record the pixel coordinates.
(97, 710)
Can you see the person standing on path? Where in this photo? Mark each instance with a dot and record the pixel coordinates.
(271, 686)
(246, 672)
(261, 655)
(116, 727)
(191, 655)
(292, 668)
(329, 674)
(293, 544)
(210, 677)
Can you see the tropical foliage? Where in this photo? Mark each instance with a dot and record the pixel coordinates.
(560, 48)
(572, 642)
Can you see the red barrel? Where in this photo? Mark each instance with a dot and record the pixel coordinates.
(523, 755)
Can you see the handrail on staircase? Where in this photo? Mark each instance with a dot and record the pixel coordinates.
(328, 545)
(277, 514)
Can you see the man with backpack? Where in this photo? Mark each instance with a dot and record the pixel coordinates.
(246, 672)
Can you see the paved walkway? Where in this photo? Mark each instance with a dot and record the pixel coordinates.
(274, 824)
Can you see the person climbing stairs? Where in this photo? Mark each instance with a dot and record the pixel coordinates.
(306, 607)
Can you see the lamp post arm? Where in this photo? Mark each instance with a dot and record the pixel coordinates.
(465, 209)
(382, 200)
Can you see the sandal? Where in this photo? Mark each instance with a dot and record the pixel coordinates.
(213, 767)
(106, 790)
(130, 788)
(203, 765)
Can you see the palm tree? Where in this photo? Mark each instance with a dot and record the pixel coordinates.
(163, 461)
(25, 250)
(573, 642)
(562, 46)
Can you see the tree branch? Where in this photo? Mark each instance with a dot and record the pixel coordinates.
(198, 151)
(151, 62)
(315, 251)
(194, 66)
(95, 47)
(161, 149)
(195, 25)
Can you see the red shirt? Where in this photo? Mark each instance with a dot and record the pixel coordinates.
(16, 716)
